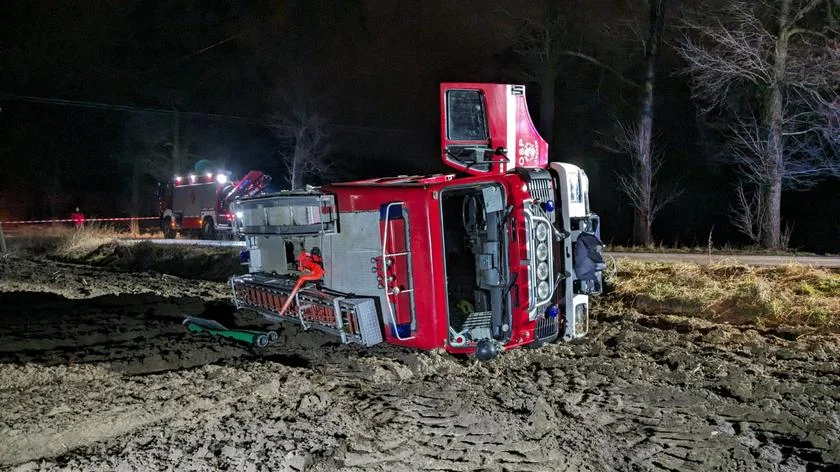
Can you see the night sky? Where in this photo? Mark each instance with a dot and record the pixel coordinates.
(372, 67)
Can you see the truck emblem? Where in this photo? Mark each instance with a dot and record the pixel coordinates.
(527, 151)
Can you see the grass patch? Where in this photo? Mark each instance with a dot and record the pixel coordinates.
(60, 240)
(77, 243)
(103, 246)
(716, 251)
(67, 241)
(792, 294)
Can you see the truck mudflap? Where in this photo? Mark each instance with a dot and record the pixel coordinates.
(352, 319)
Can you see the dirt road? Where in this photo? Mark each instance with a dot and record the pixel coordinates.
(749, 259)
(96, 373)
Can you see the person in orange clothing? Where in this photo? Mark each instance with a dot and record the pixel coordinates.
(78, 218)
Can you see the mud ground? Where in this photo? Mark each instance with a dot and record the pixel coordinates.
(96, 373)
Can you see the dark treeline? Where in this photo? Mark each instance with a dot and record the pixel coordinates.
(243, 84)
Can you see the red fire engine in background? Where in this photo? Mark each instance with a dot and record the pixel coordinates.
(504, 253)
(200, 204)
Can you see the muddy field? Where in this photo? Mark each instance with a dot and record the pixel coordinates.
(97, 373)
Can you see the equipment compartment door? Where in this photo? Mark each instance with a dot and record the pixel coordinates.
(394, 270)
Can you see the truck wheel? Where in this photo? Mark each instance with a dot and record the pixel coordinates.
(261, 341)
(208, 229)
(168, 230)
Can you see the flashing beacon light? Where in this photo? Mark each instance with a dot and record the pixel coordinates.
(221, 178)
(209, 175)
(549, 205)
(178, 179)
(553, 311)
(192, 178)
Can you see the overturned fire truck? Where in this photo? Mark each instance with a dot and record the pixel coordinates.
(504, 253)
(200, 204)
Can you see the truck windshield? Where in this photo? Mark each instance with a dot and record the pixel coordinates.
(465, 117)
(475, 261)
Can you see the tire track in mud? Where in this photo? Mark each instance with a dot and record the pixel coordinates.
(639, 394)
(582, 407)
(563, 410)
(133, 334)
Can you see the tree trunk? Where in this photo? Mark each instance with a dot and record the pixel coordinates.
(644, 215)
(774, 162)
(55, 190)
(296, 179)
(134, 210)
(177, 162)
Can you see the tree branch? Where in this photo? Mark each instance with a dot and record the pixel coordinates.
(600, 64)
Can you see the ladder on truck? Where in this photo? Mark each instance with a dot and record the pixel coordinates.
(284, 297)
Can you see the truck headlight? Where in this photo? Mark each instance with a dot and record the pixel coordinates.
(542, 290)
(542, 232)
(581, 319)
(542, 252)
(542, 271)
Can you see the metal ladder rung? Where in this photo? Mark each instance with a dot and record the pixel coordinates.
(303, 322)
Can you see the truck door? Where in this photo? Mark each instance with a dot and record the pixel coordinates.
(486, 129)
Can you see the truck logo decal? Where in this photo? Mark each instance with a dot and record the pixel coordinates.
(528, 151)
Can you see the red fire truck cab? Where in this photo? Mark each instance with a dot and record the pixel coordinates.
(200, 204)
(504, 253)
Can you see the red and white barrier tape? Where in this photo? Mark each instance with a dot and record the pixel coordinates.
(86, 220)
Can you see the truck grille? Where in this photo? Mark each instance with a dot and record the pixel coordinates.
(539, 185)
(546, 329)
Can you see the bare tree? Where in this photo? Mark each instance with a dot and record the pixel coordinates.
(639, 184)
(636, 140)
(302, 133)
(831, 105)
(145, 155)
(766, 65)
(748, 213)
(543, 41)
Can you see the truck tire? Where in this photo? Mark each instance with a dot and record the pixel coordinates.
(208, 229)
(166, 226)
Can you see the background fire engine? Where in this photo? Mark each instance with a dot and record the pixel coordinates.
(200, 204)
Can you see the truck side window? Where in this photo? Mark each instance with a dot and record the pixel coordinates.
(465, 117)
